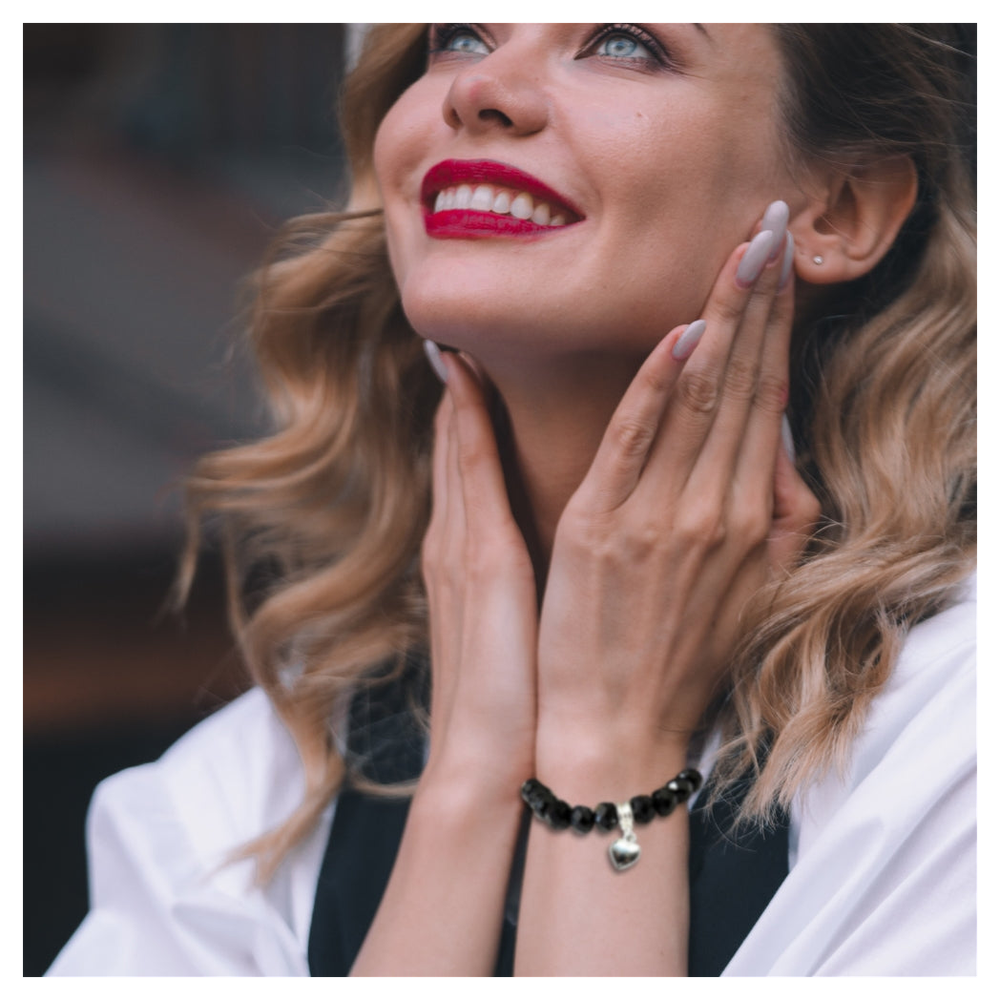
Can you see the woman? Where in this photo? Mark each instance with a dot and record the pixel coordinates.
(641, 246)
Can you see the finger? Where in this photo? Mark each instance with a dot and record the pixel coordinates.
(625, 447)
(795, 515)
(721, 378)
(739, 309)
(439, 465)
(434, 559)
(484, 489)
(762, 435)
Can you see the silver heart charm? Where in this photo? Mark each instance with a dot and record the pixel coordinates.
(624, 852)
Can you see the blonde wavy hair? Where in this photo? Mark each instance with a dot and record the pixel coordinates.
(321, 522)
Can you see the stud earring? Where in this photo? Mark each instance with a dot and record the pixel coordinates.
(817, 259)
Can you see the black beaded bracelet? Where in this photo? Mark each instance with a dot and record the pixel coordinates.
(625, 851)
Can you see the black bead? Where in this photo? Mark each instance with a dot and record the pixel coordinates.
(664, 801)
(692, 775)
(540, 801)
(558, 814)
(582, 819)
(529, 788)
(642, 808)
(606, 815)
(683, 787)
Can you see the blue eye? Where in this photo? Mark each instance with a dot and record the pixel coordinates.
(628, 43)
(467, 43)
(458, 38)
(623, 47)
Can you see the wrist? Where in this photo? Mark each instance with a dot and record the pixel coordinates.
(462, 808)
(607, 763)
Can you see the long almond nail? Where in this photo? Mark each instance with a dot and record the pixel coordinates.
(688, 340)
(754, 259)
(786, 438)
(776, 220)
(433, 353)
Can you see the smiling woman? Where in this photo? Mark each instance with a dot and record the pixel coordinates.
(696, 498)
(642, 147)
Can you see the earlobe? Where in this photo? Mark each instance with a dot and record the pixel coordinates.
(846, 229)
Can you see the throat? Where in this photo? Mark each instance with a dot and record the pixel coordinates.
(548, 434)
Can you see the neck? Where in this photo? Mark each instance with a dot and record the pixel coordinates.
(555, 419)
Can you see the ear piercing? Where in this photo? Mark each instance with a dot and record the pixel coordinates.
(817, 259)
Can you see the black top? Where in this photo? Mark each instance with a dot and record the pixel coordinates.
(733, 874)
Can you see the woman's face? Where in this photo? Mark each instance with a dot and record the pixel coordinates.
(656, 148)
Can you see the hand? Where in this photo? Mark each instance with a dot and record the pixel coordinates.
(482, 598)
(689, 507)
(449, 878)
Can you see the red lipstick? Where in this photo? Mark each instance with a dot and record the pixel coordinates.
(468, 223)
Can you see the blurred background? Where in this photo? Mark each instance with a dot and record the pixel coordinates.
(159, 161)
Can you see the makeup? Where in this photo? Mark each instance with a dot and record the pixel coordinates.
(470, 199)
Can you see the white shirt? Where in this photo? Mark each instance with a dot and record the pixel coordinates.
(882, 874)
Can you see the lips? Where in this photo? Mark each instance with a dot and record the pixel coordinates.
(466, 199)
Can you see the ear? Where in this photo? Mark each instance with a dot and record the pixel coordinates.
(848, 226)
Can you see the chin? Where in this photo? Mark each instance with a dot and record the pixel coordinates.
(474, 320)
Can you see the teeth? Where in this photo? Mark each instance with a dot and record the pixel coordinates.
(540, 216)
(482, 198)
(486, 198)
(522, 206)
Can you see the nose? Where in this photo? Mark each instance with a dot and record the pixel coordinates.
(497, 94)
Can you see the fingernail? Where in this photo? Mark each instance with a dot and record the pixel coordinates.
(786, 438)
(754, 259)
(786, 264)
(776, 220)
(688, 340)
(433, 353)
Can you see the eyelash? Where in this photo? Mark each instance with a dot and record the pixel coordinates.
(441, 35)
(660, 56)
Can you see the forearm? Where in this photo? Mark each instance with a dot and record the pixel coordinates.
(578, 915)
(442, 910)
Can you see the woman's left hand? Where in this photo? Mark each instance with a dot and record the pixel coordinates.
(689, 508)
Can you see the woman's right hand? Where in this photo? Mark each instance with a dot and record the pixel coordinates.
(449, 880)
(483, 604)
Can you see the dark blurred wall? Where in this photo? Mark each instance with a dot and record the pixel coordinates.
(159, 161)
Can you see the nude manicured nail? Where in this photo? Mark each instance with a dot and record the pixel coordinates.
(776, 220)
(787, 440)
(433, 353)
(754, 259)
(688, 340)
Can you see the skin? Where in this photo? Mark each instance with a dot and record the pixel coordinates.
(562, 324)
(652, 490)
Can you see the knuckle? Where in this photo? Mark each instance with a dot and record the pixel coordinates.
(703, 527)
(645, 539)
(633, 437)
(654, 380)
(698, 391)
(741, 377)
(772, 394)
(730, 310)
(750, 523)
